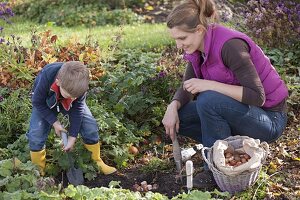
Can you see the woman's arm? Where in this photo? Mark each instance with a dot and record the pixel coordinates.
(196, 85)
(235, 55)
(182, 96)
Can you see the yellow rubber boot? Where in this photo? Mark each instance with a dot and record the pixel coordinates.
(39, 158)
(95, 149)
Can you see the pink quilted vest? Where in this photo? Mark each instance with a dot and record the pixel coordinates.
(212, 68)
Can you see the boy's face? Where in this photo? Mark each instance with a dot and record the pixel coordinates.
(63, 92)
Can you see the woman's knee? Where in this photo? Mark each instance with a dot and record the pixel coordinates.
(209, 98)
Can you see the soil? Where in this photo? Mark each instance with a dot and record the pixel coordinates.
(165, 180)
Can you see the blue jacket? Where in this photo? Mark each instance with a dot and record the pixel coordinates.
(45, 101)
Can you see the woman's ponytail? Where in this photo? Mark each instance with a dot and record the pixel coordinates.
(192, 13)
(207, 11)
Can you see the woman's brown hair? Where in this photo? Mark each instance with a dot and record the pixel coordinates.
(192, 13)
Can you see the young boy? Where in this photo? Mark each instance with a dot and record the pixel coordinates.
(62, 87)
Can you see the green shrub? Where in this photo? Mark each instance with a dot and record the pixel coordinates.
(124, 3)
(15, 110)
(130, 100)
(273, 23)
(286, 61)
(68, 13)
(5, 14)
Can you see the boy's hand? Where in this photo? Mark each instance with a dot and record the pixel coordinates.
(58, 128)
(70, 145)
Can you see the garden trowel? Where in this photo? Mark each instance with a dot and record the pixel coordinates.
(75, 176)
(177, 157)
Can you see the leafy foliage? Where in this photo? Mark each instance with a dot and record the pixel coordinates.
(14, 114)
(5, 13)
(287, 63)
(272, 21)
(157, 164)
(18, 179)
(15, 73)
(19, 149)
(127, 104)
(90, 13)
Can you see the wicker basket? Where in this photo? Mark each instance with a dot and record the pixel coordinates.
(239, 182)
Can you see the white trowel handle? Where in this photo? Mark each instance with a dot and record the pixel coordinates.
(189, 174)
(64, 138)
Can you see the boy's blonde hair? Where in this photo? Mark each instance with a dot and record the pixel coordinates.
(74, 78)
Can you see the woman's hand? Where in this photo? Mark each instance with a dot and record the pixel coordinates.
(196, 85)
(58, 128)
(171, 119)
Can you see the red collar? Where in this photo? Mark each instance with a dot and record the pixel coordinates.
(65, 102)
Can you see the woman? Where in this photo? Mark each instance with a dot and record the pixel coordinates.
(229, 87)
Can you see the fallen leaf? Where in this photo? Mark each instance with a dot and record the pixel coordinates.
(149, 8)
(297, 159)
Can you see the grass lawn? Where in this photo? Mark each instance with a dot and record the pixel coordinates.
(133, 36)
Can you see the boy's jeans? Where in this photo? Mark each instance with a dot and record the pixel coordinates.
(39, 129)
(215, 116)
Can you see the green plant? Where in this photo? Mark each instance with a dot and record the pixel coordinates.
(14, 114)
(156, 164)
(19, 149)
(14, 71)
(286, 62)
(69, 13)
(273, 23)
(58, 160)
(21, 181)
(196, 194)
(124, 3)
(5, 14)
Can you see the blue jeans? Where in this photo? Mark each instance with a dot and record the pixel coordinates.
(39, 129)
(215, 116)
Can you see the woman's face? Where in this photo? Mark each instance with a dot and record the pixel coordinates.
(188, 41)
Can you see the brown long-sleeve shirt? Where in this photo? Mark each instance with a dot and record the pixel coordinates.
(235, 55)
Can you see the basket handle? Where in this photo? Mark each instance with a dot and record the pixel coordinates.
(204, 157)
(265, 146)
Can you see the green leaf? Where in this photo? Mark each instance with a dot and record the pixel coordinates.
(6, 167)
(5, 181)
(114, 184)
(70, 191)
(83, 192)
